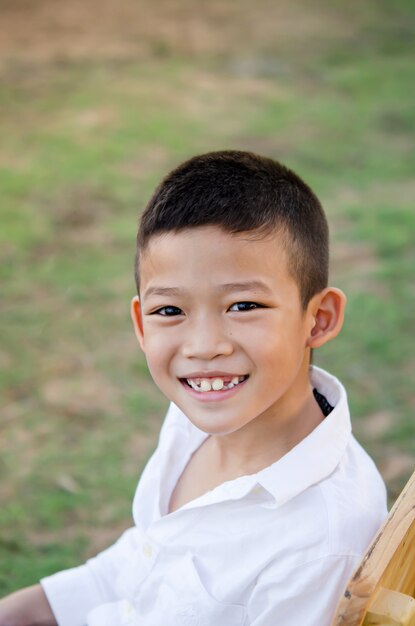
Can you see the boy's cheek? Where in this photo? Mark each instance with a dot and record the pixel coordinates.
(156, 344)
(156, 372)
(158, 357)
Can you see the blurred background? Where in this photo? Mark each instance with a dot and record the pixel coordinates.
(99, 99)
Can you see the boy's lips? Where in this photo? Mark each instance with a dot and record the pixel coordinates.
(215, 385)
(211, 374)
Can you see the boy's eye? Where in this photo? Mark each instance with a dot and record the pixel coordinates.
(168, 311)
(244, 306)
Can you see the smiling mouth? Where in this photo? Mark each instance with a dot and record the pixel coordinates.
(218, 383)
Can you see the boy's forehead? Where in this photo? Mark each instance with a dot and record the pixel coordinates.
(211, 243)
(209, 253)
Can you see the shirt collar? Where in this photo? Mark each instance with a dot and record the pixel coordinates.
(316, 456)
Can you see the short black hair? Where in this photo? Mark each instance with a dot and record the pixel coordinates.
(242, 192)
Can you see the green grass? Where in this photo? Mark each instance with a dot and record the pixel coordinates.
(82, 147)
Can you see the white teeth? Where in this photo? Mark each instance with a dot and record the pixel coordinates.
(217, 384)
(205, 385)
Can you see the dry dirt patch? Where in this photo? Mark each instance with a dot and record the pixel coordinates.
(44, 30)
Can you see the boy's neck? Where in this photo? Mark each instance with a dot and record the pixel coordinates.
(270, 436)
(252, 448)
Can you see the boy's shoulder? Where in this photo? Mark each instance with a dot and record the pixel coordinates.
(335, 517)
(350, 500)
(354, 499)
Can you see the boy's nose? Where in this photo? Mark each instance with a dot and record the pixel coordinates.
(206, 340)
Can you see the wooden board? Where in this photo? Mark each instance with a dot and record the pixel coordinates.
(389, 562)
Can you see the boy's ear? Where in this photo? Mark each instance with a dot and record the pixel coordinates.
(137, 317)
(327, 310)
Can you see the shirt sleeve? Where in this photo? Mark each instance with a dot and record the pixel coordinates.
(74, 592)
(305, 595)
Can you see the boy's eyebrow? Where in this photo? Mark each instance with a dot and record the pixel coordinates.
(250, 285)
(163, 291)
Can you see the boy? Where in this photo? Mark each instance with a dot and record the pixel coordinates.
(258, 503)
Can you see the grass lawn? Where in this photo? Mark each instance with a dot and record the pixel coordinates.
(86, 134)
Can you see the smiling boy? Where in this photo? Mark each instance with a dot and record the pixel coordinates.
(224, 337)
(258, 503)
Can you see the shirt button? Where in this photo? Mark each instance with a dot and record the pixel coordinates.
(147, 550)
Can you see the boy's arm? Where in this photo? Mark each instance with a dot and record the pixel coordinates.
(27, 607)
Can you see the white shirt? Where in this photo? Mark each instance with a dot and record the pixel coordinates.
(275, 548)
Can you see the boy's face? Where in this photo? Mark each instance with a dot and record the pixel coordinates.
(221, 325)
